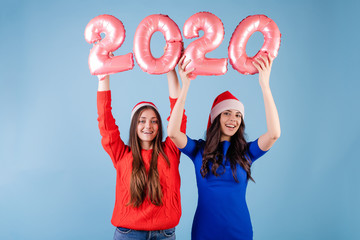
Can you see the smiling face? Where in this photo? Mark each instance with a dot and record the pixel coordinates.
(147, 128)
(230, 121)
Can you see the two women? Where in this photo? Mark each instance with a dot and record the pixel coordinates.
(223, 161)
(147, 202)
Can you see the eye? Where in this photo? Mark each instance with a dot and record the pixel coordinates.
(226, 113)
(154, 121)
(238, 115)
(142, 121)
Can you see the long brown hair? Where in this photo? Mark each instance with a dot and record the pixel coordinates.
(236, 154)
(144, 185)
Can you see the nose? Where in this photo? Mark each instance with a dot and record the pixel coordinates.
(147, 124)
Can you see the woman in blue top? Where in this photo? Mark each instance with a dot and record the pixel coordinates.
(223, 161)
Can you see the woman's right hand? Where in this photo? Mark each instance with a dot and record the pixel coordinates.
(105, 76)
(104, 79)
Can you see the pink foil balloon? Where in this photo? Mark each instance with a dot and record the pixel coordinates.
(213, 36)
(237, 47)
(147, 27)
(99, 60)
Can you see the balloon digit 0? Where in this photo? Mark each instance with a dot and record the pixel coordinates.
(147, 27)
(237, 46)
(99, 60)
(213, 36)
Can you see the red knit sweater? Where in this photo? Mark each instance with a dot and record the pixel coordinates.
(148, 216)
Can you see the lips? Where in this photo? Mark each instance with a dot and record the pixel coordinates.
(229, 125)
(147, 132)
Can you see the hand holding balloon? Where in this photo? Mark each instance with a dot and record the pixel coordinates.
(185, 71)
(103, 76)
(263, 64)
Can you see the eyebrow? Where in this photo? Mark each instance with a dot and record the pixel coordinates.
(150, 118)
(232, 111)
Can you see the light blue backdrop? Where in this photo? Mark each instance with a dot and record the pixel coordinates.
(56, 181)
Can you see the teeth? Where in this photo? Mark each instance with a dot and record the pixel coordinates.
(232, 126)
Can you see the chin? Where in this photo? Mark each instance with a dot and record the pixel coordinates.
(147, 139)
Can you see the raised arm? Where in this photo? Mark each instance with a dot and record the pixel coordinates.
(179, 138)
(104, 85)
(104, 80)
(173, 83)
(109, 131)
(264, 64)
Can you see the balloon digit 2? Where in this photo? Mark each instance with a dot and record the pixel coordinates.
(213, 36)
(237, 46)
(99, 60)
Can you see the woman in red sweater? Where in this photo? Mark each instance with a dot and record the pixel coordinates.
(147, 204)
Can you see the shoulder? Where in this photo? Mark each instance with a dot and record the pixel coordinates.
(199, 143)
(254, 150)
(192, 147)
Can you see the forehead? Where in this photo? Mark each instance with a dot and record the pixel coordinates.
(148, 113)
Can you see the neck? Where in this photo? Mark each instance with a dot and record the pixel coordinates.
(146, 145)
(224, 138)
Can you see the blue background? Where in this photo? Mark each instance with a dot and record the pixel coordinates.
(56, 181)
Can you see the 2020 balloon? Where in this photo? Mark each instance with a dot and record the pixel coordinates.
(101, 63)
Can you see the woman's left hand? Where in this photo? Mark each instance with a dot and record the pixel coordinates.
(183, 71)
(263, 65)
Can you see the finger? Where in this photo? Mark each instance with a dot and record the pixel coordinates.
(184, 65)
(260, 62)
(189, 71)
(256, 65)
(181, 60)
(271, 59)
(265, 60)
(101, 77)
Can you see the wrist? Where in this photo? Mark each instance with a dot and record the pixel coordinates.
(265, 87)
(172, 71)
(104, 85)
(186, 84)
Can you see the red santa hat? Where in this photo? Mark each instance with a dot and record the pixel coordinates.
(142, 104)
(224, 101)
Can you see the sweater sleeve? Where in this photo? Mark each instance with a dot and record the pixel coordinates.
(109, 131)
(184, 117)
(168, 141)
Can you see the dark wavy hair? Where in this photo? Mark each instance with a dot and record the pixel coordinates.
(236, 154)
(142, 184)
